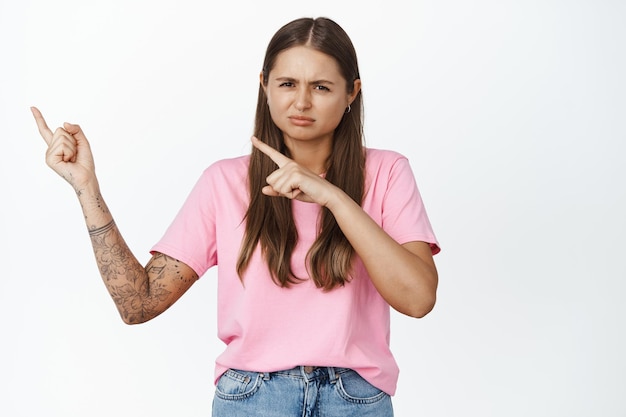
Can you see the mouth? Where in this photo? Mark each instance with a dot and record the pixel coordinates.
(301, 120)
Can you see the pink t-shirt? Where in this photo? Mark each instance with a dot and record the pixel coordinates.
(267, 328)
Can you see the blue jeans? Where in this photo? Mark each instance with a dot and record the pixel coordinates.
(299, 392)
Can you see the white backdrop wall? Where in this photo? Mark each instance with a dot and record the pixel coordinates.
(511, 113)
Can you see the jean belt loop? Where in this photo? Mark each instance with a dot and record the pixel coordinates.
(332, 375)
(266, 376)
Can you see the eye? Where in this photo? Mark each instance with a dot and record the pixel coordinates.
(321, 87)
(286, 84)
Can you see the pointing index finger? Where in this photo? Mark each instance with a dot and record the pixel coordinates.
(44, 130)
(280, 159)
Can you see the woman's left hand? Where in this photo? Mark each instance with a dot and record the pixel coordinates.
(292, 180)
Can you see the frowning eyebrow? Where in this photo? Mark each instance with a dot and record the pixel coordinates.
(293, 80)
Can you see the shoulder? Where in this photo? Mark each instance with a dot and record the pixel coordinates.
(229, 165)
(382, 159)
(224, 175)
(385, 169)
(226, 169)
(383, 154)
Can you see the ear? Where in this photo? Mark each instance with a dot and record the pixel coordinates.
(355, 90)
(261, 80)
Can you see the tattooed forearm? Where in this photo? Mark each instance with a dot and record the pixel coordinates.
(97, 202)
(139, 293)
(94, 231)
(100, 204)
(92, 202)
(95, 210)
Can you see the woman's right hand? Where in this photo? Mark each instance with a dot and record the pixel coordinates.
(68, 154)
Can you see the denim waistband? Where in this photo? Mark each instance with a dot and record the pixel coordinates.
(309, 372)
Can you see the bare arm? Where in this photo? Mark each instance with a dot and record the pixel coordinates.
(404, 275)
(139, 293)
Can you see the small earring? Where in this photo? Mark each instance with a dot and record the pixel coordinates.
(348, 109)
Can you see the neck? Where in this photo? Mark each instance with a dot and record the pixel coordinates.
(311, 154)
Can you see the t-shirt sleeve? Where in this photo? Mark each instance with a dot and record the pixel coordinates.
(190, 238)
(404, 216)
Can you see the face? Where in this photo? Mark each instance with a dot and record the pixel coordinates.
(307, 95)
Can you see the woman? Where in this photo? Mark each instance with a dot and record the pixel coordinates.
(314, 237)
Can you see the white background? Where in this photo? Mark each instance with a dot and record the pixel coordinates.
(512, 114)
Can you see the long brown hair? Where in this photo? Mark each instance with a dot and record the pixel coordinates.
(269, 220)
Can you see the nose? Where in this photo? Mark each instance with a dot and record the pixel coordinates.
(302, 100)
